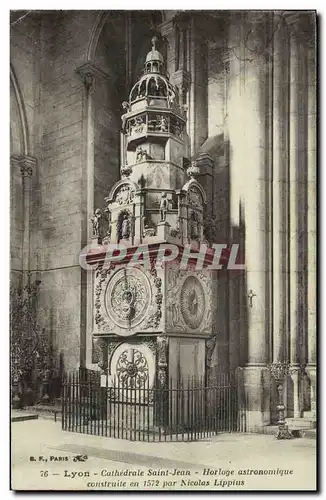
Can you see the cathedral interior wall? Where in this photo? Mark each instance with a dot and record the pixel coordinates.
(24, 89)
(233, 107)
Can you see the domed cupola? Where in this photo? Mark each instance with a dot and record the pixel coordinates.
(154, 59)
(153, 88)
(153, 123)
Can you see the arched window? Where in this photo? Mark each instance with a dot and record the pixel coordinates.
(142, 90)
(134, 93)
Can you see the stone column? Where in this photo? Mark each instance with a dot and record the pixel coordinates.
(88, 78)
(87, 75)
(139, 212)
(197, 113)
(311, 220)
(280, 192)
(90, 75)
(234, 133)
(254, 190)
(26, 165)
(254, 180)
(295, 152)
(181, 77)
(297, 204)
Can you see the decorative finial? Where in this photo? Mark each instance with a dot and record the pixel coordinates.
(154, 42)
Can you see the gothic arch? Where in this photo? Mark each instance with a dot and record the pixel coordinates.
(95, 35)
(197, 185)
(19, 133)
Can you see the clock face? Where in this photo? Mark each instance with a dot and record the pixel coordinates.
(127, 297)
(192, 302)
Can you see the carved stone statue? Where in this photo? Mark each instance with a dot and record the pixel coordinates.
(97, 222)
(171, 97)
(125, 227)
(141, 154)
(162, 124)
(107, 237)
(164, 205)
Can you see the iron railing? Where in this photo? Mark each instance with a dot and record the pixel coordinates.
(189, 410)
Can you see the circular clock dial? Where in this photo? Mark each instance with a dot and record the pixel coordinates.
(192, 302)
(127, 297)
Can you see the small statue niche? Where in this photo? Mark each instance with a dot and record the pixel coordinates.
(153, 87)
(107, 237)
(142, 90)
(158, 124)
(124, 225)
(194, 226)
(162, 124)
(162, 89)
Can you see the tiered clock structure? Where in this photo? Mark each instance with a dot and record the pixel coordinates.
(150, 324)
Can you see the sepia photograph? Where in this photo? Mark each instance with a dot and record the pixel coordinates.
(163, 287)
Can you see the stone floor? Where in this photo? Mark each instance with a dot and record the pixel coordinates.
(44, 458)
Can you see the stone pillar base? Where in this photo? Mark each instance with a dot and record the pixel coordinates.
(311, 370)
(163, 230)
(254, 397)
(295, 377)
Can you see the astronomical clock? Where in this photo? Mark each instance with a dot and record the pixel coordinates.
(150, 324)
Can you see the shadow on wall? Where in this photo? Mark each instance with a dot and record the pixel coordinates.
(231, 348)
(234, 300)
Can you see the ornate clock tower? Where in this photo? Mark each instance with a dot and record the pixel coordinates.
(150, 323)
